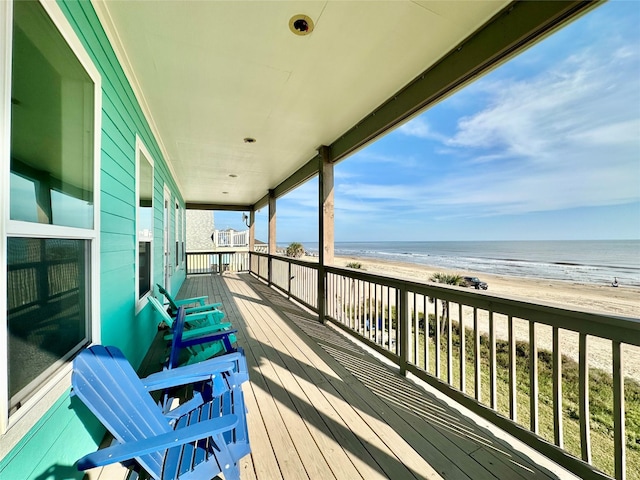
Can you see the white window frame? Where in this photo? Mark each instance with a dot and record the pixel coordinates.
(176, 232)
(14, 427)
(142, 151)
(183, 239)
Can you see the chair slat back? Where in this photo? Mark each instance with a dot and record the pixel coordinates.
(107, 384)
(163, 291)
(155, 303)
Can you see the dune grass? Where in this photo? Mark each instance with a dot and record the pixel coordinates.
(600, 395)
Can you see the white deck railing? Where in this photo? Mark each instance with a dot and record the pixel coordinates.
(413, 324)
(230, 238)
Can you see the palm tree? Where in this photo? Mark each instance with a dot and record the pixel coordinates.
(447, 279)
(295, 250)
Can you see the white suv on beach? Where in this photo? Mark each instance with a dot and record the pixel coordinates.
(475, 282)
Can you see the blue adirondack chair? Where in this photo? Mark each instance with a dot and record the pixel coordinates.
(202, 350)
(201, 303)
(197, 440)
(200, 343)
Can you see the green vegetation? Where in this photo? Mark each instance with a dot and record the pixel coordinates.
(295, 250)
(600, 387)
(600, 394)
(356, 265)
(446, 278)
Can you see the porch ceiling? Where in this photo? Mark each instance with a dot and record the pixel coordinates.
(210, 73)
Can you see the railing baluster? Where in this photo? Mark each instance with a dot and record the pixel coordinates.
(513, 398)
(376, 313)
(583, 385)
(619, 436)
(399, 301)
(476, 354)
(463, 350)
(533, 378)
(437, 332)
(426, 333)
(416, 330)
(387, 326)
(402, 325)
(449, 346)
(558, 435)
(492, 363)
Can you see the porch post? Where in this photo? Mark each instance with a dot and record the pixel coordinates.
(272, 230)
(252, 230)
(325, 224)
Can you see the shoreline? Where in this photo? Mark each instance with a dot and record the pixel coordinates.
(623, 301)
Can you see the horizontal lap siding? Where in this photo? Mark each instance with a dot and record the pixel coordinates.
(64, 434)
(122, 120)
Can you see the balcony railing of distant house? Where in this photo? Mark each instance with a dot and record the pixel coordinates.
(206, 263)
(230, 238)
(418, 327)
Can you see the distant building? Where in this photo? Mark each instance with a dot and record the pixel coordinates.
(200, 227)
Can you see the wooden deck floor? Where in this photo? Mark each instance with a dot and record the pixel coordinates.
(321, 407)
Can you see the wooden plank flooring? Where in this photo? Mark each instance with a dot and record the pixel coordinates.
(320, 407)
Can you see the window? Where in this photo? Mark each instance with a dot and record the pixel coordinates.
(51, 167)
(144, 222)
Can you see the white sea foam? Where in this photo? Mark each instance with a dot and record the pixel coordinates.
(576, 261)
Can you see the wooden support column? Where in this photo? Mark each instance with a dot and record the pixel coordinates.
(272, 229)
(252, 230)
(325, 224)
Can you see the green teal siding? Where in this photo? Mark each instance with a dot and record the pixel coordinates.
(50, 449)
(68, 431)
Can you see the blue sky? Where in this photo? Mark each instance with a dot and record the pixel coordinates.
(547, 146)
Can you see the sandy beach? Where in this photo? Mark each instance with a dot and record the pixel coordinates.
(621, 301)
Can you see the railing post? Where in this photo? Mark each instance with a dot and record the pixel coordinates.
(619, 436)
(289, 280)
(403, 324)
(269, 270)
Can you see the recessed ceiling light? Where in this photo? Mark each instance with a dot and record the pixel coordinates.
(301, 25)
(249, 140)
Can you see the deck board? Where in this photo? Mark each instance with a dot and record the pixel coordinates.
(321, 407)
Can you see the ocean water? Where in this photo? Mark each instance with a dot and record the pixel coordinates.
(586, 261)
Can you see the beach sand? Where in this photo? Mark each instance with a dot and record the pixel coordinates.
(622, 301)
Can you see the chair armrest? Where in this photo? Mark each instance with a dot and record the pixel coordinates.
(202, 308)
(187, 341)
(205, 330)
(129, 450)
(185, 301)
(196, 316)
(185, 375)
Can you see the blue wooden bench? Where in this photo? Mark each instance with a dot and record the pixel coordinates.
(198, 440)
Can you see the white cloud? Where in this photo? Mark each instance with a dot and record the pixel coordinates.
(418, 127)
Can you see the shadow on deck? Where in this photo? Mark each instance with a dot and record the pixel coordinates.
(321, 407)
